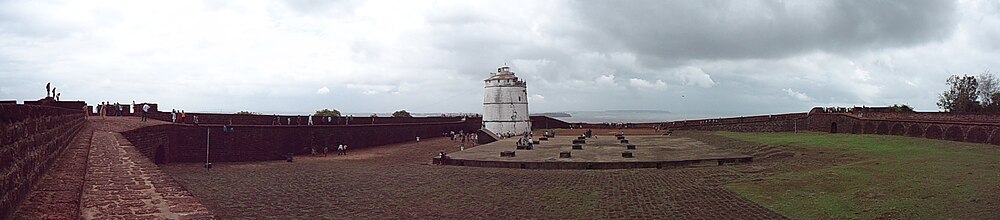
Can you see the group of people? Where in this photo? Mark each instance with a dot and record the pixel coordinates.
(525, 140)
(309, 120)
(341, 150)
(471, 138)
(107, 108)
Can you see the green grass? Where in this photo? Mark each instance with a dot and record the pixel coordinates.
(886, 176)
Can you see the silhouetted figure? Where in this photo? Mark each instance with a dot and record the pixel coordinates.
(53, 91)
(47, 89)
(57, 96)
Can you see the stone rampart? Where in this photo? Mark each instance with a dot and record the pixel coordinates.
(187, 143)
(31, 138)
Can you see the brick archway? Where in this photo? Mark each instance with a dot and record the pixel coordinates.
(897, 129)
(978, 134)
(869, 127)
(933, 132)
(883, 128)
(954, 133)
(915, 130)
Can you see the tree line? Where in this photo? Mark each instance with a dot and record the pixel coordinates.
(971, 93)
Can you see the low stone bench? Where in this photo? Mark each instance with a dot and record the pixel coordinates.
(578, 141)
(536, 142)
(624, 141)
(564, 154)
(507, 153)
(627, 154)
(621, 137)
(543, 138)
(630, 147)
(581, 138)
(577, 147)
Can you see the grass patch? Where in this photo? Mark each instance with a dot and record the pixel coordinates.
(893, 176)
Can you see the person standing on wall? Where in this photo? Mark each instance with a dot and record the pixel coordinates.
(326, 150)
(145, 110)
(182, 116)
(340, 149)
(310, 119)
(173, 115)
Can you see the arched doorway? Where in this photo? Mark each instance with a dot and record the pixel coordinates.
(161, 155)
(833, 127)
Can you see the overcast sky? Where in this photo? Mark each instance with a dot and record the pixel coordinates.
(714, 57)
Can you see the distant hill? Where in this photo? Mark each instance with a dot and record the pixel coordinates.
(553, 114)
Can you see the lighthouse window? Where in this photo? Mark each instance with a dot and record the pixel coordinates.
(518, 98)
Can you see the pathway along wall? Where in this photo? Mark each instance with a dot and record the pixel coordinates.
(31, 138)
(173, 143)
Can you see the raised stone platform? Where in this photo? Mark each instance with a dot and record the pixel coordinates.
(604, 152)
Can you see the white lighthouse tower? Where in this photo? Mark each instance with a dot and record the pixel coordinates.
(505, 103)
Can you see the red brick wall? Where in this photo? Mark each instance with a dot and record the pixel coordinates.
(213, 118)
(186, 143)
(762, 123)
(31, 137)
(546, 122)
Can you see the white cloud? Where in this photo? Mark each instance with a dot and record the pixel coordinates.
(606, 81)
(692, 75)
(797, 95)
(323, 91)
(641, 83)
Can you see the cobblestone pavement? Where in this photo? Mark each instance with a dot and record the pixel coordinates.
(123, 184)
(101, 176)
(57, 196)
(397, 181)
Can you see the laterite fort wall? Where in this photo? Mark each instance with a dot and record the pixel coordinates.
(186, 143)
(31, 138)
(975, 128)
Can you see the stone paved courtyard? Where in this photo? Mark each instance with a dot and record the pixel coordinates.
(398, 181)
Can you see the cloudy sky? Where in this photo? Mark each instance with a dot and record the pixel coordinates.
(712, 57)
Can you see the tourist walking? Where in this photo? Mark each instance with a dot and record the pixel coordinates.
(340, 149)
(145, 110)
(104, 110)
(173, 115)
(182, 116)
(326, 150)
(310, 119)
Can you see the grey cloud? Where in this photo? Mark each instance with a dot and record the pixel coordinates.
(684, 30)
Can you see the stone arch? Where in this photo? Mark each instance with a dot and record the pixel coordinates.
(869, 127)
(954, 133)
(933, 132)
(897, 129)
(995, 138)
(977, 134)
(883, 128)
(915, 130)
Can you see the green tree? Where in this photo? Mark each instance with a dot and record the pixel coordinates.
(401, 113)
(961, 96)
(328, 112)
(989, 91)
(901, 108)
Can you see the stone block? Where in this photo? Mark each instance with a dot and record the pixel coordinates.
(578, 141)
(564, 154)
(630, 147)
(621, 137)
(577, 147)
(624, 141)
(507, 154)
(543, 138)
(627, 154)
